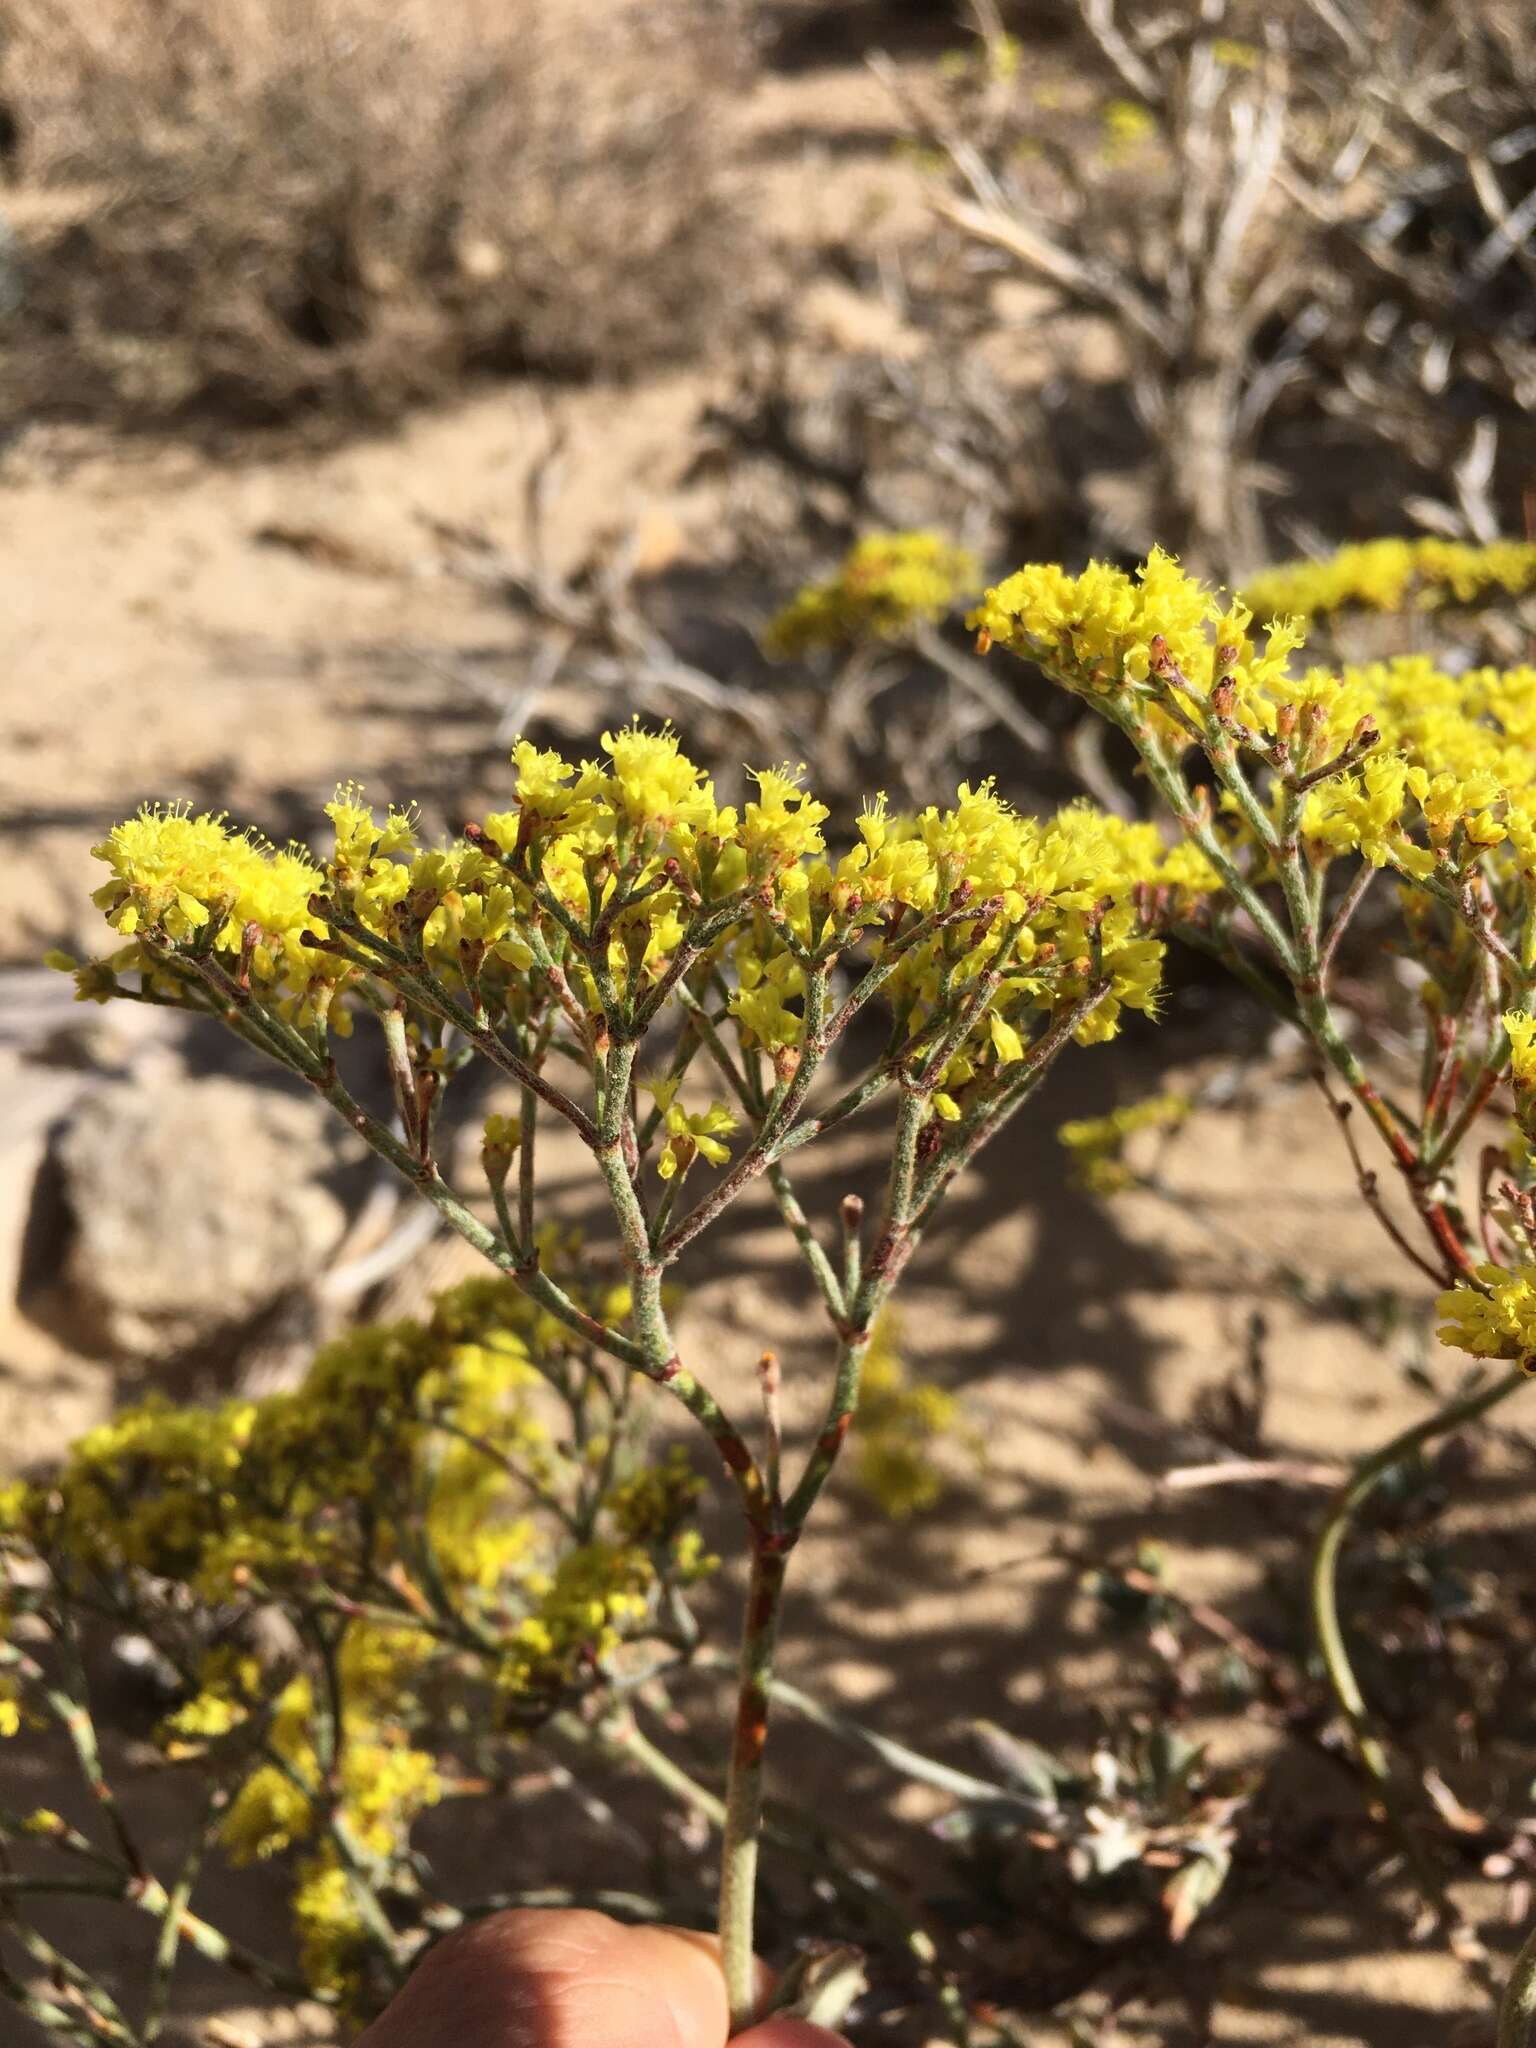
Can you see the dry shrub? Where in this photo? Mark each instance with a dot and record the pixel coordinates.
(281, 206)
(1307, 228)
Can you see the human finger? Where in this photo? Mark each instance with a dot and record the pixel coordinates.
(562, 1979)
(787, 2033)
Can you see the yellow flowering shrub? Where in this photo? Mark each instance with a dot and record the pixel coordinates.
(445, 1511)
(886, 583)
(640, 853)
(1298, 787)
(1397, 575)
(419, 1512)
(1302, 789)
(1412, 768)
(675, 979)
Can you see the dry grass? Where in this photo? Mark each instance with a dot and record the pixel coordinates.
(283, 206)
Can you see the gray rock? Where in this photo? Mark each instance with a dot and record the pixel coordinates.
(188, 1208)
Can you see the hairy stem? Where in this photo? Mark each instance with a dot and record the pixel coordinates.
(744, 1784)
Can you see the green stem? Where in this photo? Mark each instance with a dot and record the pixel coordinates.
(782, 1110)
(799, 1226)
(150, 1896)
(1174, 790)
(1321, 1027)
(623, 1738)
(428, 1183)
(627, 1740)
(1327, 1627)
(896, 1756)
(744, 1784)
(417, 985)
(167, 1946)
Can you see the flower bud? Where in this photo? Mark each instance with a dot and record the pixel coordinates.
(503, 1135)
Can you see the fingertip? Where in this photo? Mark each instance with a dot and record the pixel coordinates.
(561, 1979)
(788, 2033)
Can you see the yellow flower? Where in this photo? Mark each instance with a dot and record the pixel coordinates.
(1006, 1042)
(550, 792)
(690, 1134)
(783, 826)
(760, 1003)
(1099, 627)
(1127, 124)
(1521, 1027)
(1500, 1323)
(266, 1815)
(169, 869)
(503, 1135)
(654, 783)
(358, 837)
(184, 879)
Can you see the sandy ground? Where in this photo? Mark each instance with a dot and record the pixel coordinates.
(159, 647)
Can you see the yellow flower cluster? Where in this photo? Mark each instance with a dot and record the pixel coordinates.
(887, 583)
(602, 873)
(1453, 778)
(1105, 631)
(435, 1426)
(378, 1786)
(998, 58)
(1069, 889)
(1127, 125)
(433, 1538)
(196, 880)
(1439, 769)
(1097, 1143)
(1497, 1320)
(649, 1506)
(583, 1610)
(1396, 575)
(329, 1926)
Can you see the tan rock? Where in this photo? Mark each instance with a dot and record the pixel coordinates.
(187, 1208)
